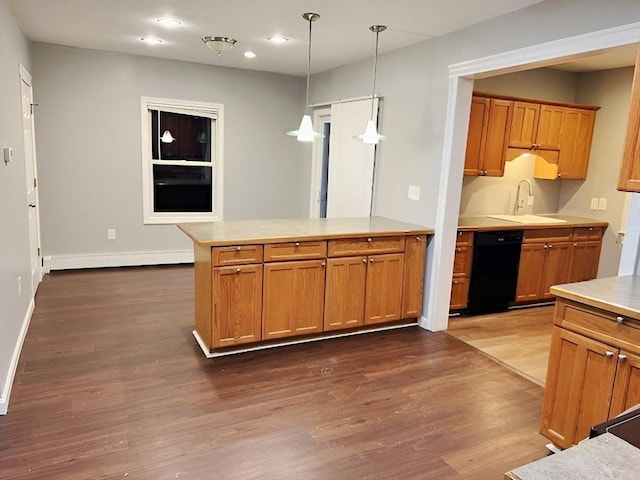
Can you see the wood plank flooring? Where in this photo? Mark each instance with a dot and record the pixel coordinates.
(519, 339)
(111, 385)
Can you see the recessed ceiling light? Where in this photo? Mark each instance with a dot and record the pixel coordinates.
(249, 54)
(169, 21)
(151, 40)
(277, 39)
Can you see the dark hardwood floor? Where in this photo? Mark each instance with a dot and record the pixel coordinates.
(112, 385)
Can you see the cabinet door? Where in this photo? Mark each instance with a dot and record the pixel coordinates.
(578, 387)
(414, 270)
(575, 145)
(237, 305)
(478, 119)
(524, 124)
(530, 272)
(459, 293)
(344, 296)
(626, 388)
(293, 298)
(497, 137)
(383, 298)
(629, 179)
(556, 266)
(585, 257)
(550, 125)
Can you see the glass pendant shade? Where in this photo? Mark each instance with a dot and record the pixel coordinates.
(167, 137)
(305, 132)
(370, 135)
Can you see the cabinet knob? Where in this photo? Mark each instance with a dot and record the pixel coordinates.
(297, 244)
(591, 229)
(559, 175)
(455, 282)
(369, 239)
(371, 260)
(608, 354)
(575, 244)
(324, 264)
(546, 246)
(550, 246)
(237, 270)
(622, 357)
(238, 248)
(418, 239)
(364, 260)
(620, 320)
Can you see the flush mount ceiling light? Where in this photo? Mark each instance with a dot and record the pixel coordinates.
(219, 45)
(371, 135)
(169, 21)
(151, 40)
(278, 39)
(305, 132)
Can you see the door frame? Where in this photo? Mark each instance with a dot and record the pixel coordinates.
(320, 116)
(26, 78)
(461, 78)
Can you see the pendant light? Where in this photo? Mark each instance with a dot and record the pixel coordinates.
(371, 135)
(167, 137)
(305, 132)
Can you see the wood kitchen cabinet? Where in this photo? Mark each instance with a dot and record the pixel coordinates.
(461, 270)
(592, 376)
(293, 298)
(629, 179)
(489, 124)
(536, 126)
(255, 283)
(575, 143)
(585, 253)
(544, 258)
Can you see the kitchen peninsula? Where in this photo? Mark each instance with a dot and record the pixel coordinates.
(261, 283)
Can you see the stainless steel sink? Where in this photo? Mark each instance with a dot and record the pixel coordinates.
(530, 219)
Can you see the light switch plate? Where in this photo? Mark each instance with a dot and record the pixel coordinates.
(111, 233)
(594, 204)
(7, 153)
(414, 192)
(602, 204)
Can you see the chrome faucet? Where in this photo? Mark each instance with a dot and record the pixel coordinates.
(519, 203)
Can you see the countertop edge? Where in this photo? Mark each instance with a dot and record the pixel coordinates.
(506, 225)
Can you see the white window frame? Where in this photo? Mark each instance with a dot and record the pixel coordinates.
(215, 111)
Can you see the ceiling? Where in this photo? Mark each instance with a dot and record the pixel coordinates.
(618, 57)
(340, 36)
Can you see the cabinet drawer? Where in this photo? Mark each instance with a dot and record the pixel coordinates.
(274, 252)
(459, 293)
(365, 246)
(236, 255)
(547, 235)
(462, 261)
(464, 238)
(607, 327)
(587, 233)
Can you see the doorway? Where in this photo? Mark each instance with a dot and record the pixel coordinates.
(26, 94)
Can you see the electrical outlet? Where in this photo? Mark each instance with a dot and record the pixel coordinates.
(414, 192)
(19, 285)
(602, 204)
(111, 234)
(594, 204)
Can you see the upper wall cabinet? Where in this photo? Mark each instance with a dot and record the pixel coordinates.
(489, 125)
(630, 169)
(502, 128)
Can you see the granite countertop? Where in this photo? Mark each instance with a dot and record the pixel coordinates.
(619, 295)
(483, 222)
(244, 232)
(601, 458)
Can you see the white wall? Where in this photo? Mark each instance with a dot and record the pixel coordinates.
(14, 239)
(611, 89)
(88, 142)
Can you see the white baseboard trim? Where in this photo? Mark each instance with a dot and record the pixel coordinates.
(120, 259)
(13, 365)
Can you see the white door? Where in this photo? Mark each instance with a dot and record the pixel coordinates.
(26, 92)
(351, 162)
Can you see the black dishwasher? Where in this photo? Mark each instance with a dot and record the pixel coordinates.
(494, 273)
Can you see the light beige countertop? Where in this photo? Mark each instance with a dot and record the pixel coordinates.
(619, 295)
(600, 458)
(242, 232)
(483, 222)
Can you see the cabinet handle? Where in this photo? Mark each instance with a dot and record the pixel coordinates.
(297, 244)
(620, 320)
(608, 354)
(238, 248)
(622, 357)
(237, 270)
(418, 239)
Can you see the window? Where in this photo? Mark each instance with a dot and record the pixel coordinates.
(181, 161)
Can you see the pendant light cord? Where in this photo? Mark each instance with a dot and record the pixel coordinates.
(306, 105)
(375, 66)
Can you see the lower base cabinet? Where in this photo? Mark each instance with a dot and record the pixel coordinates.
(592, 376)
